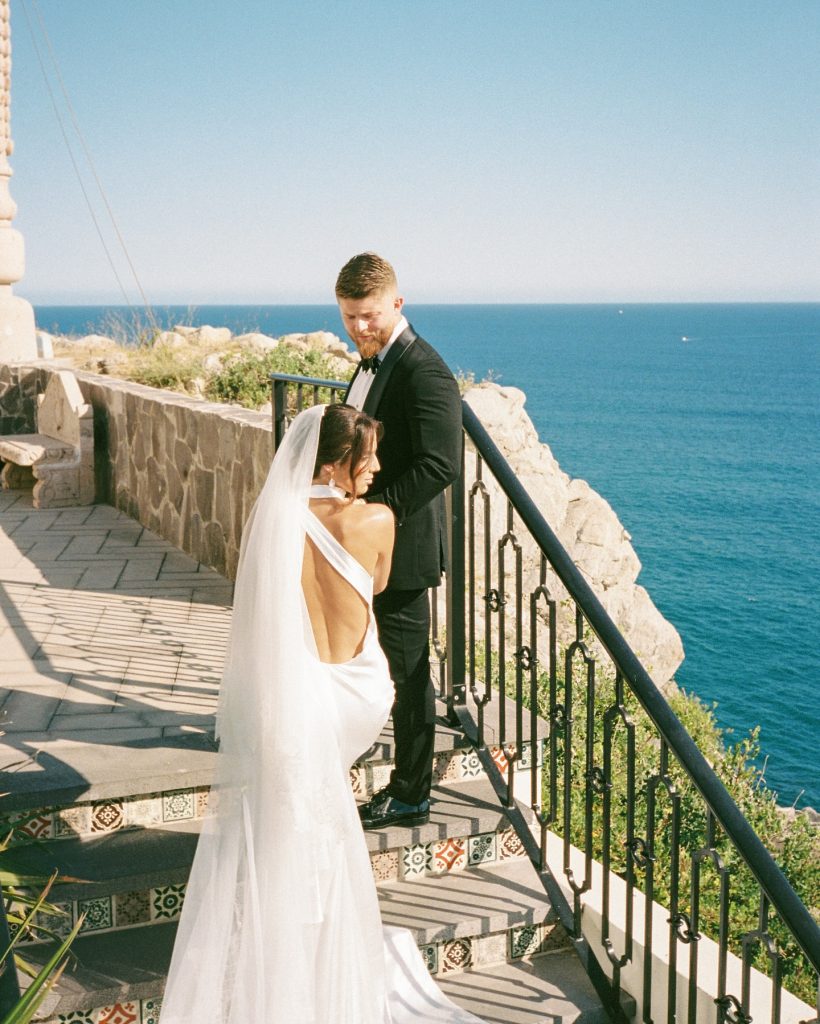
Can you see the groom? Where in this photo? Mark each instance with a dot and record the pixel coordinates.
(404, 382)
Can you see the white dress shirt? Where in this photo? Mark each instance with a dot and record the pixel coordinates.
(364, 381)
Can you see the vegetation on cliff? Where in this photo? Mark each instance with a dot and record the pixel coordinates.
(792, 838)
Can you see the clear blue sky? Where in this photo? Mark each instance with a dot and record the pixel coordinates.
(562, 151)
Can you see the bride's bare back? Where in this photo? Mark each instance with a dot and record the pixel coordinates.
(338, 614)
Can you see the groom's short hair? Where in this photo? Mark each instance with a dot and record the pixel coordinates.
(363, 275)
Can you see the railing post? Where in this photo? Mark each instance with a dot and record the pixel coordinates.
(280, 396)
(456, 594)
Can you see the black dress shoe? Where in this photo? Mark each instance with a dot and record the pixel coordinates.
(383, 810)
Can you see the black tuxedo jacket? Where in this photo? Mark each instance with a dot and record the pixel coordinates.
(417, 400)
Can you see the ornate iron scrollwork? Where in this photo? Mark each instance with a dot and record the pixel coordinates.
(494, 600)
(683, 927)
(597, 780)
(731, 1011)
(524, 657)
(559, 716)
(639, 851)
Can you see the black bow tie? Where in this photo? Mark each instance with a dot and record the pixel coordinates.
(371, 364)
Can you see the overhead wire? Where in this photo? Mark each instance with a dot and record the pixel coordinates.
(89, 160)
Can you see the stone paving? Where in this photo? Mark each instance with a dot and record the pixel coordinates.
(111, 646)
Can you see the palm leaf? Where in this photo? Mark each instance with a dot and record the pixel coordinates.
(38, 903)
(43, 983)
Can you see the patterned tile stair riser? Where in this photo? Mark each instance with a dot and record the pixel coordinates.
(145, 1011)
(450, 766)
(99, 817)
(93, 819)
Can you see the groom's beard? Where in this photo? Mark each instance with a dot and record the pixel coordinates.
(373, 343)
(371, 346)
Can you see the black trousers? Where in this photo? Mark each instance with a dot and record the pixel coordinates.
(403, 622)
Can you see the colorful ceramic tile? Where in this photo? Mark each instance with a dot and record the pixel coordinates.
(107, 816)
(132, 908)
(201, 794)
(14, 928)
(429, 955)
(357, 781)
(143, 810)
(448, 766)
(166, 902)
(481, 849)
(39, 826)
(554, 937)
(97, 914)
(379, 776)
(150, 1011)
(385, 865)
(525, 941)
(178, 805)
(509, 845)
(525, 761)
(470, 764)
(490, 949)
(417, 860)
(500, 758)
(76, 1017)
(456, 955)
(59, 924)
(119, 1013)
(449, 855)
(526, 754)
(73, 821)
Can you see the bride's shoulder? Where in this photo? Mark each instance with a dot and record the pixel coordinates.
(373, 516)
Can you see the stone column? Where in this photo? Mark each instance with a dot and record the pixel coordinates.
(17, 335)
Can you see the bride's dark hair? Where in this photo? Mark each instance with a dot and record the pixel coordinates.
(345, 432)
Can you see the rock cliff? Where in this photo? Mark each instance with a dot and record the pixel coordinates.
(585, 524)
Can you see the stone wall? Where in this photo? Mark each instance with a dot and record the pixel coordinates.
(19, 386)
(188, 470)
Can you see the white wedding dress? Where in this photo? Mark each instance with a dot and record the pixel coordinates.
(281, 921)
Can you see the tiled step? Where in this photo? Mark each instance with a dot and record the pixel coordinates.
(544, 990)
(120, 977)
(132, 877)
(119, 790)
(474, 918)
(455, 757)
(462, 810)
(58, 774)
(492, 913)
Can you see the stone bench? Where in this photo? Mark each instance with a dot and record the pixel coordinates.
(60, 455)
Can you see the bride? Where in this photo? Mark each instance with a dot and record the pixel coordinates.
(281, 921)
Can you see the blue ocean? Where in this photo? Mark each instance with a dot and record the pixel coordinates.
(700, 424)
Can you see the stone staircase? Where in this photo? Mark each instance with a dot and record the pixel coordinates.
(462, 883)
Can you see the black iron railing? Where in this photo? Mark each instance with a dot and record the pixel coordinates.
(618, 778)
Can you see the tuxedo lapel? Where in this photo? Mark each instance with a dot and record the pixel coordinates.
(396, 353)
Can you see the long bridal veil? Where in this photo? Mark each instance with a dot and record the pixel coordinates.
(275, 812)
(281, 921)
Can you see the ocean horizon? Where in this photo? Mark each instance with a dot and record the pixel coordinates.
(700, 424)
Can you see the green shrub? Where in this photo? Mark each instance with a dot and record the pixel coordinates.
(162, 367)
(245, 377)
